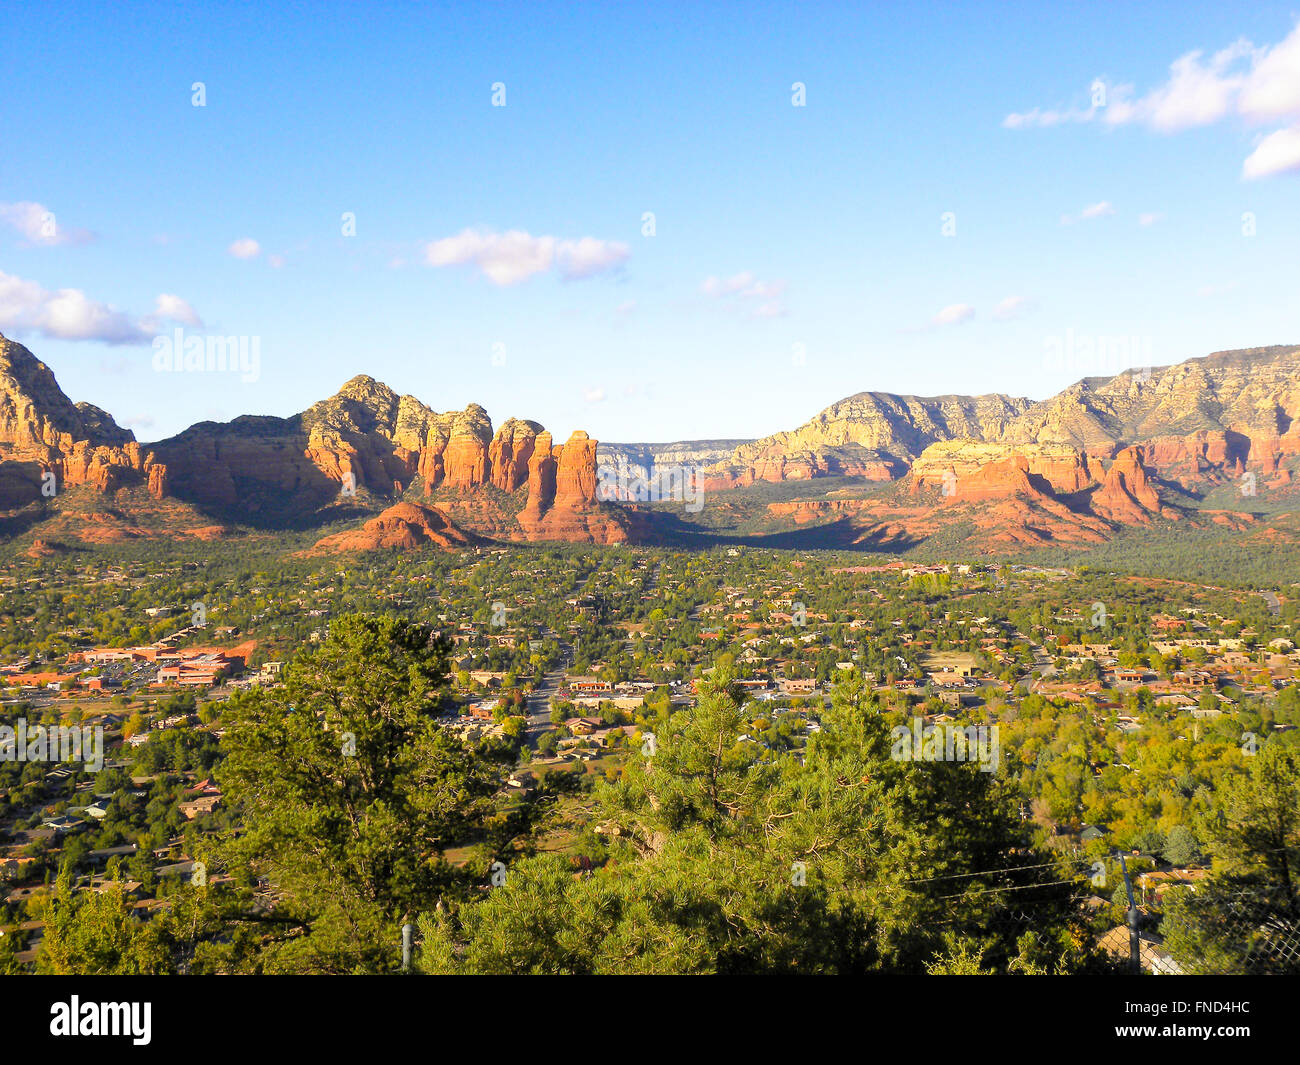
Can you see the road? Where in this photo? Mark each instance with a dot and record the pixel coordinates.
(538, 706)
(539, 700)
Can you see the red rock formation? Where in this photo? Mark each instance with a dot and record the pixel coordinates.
(45, 548)
(157, 480)
(511, 450)
(1066, 474)
(42, 431)
(541, 481)
(1199, 459)
(575, 478)
(1059, 468)
(404, 527)
(465, 461)
(561, 501)
(1127, 495)
(995, 480)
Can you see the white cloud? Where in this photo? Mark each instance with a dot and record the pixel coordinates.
(275, 261)
(954, 314)
(174, 309)
(1196, 94)
(1010, 308)
(1272, 91)
(762, 299)
(514, 256)
(580, 259)
(1149, 218)
(1254, 85)
(245, 248)
(1278, 153)
(593, 395)
(69, 314)
(38, 224)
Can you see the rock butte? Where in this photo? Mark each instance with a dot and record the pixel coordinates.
(403, 526)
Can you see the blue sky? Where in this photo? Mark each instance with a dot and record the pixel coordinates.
(499, 257)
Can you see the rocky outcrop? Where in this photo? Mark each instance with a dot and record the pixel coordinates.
(1255, 392)
(48, 443)
(647, 463)
(541, 480)
(367, 442)
(46, 548)
(402, 527)
(1250, 396)
(465, 461)
(1127, 494)
(1056, 468)
(157, 480)
(562, 501)
(1036, 493)
(575, 474)
(874, 435)
(510, 452)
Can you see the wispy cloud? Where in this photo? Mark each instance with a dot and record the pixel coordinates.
(1254, 85)
(745, 292)
(1104, 209)
(1011, 308)
(39, 225)
(954, 314)
(69, 314)
(511, 257)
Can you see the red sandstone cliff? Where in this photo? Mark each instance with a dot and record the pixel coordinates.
(42, 432)
(561, 501)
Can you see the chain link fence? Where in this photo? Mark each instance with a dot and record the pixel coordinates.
(1188, 927)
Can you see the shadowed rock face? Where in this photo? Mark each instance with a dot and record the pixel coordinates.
(541, 481)
(1127, 495)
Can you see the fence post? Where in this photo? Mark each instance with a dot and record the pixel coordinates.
(1134, 943)
(407, 929)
